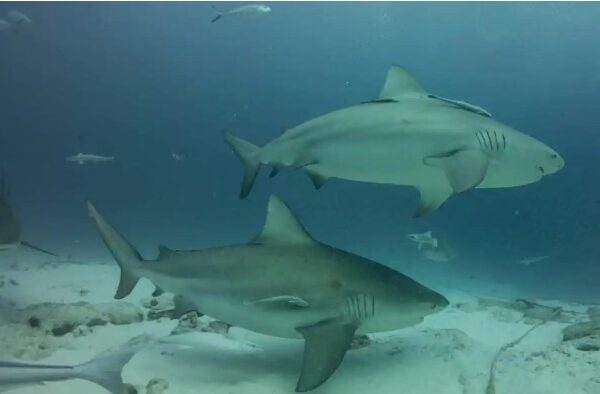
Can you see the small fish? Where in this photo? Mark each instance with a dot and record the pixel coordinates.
(177, 157)
(104, 370)
(531, 260)
(423, 239)
(82, 158)
(251, 9)
(18, 17)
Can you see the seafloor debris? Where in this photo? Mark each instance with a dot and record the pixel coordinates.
(190, 322)
(584, 336)
(36, 331)
(157, 386)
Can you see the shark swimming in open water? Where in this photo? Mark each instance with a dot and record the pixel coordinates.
(406, 136)
(283, 283)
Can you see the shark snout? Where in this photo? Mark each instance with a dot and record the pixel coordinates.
(553, 163)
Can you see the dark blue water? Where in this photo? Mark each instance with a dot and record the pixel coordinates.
(141, 81)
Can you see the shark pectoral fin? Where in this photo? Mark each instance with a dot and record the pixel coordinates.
(431, 198)
(183, 306)
(281, 226)
(317, 179)
(284, 300)
(400, 83)
(325, 345)
(465, 169)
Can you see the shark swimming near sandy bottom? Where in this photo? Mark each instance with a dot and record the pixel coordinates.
(407, 136)
(10, 230)
(283, 283)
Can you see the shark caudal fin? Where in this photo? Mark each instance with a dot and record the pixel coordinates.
(127, 257)
(246, 152)
(105, 370)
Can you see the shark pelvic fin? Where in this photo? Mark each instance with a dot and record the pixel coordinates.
(125, 254)
(281, 226)
(317, 179)
(431, 198)
(183, 306)
(246, 153)
(400, 83)
(165, 252)
(274, 171)
(325, 346)
(465, 169)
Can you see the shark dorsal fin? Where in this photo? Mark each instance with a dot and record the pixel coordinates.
(281, 226)
(400, 83)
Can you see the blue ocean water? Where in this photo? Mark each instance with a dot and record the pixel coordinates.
(144, 81)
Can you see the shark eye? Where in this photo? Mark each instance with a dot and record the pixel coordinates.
(554, 156)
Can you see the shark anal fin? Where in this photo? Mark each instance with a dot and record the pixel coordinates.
(281, 226)
(325, 346)
(465, 169)
(317, 179)
(431, 198)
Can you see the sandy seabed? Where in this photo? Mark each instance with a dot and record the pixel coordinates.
(449, 353)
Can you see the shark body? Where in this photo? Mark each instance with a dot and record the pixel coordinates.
(283, 283)
(405, 137)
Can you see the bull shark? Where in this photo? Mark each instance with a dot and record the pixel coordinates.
(104, 370)
(10, 230)
(409, 137)
(282, 283)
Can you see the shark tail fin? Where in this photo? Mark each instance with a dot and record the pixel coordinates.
(247, 154)
(127, 257)
(105, 370)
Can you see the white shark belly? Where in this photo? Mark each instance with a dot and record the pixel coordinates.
(391, 159)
